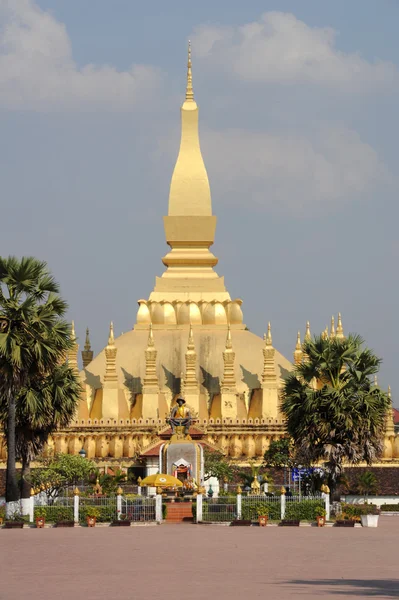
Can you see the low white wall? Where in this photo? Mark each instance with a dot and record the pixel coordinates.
(377, 500)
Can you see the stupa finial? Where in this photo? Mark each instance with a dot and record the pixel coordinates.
(298, 353)
(376, 380)
(307, 334)
(150, 337)
(340, 329)
(189, 86)
(332, 329)
(190, 338)
(229, 343)
(111, 338)
(87, 345)
(73, 334)
(389, 392)
(269, 340)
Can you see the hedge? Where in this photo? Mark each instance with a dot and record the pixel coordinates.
(355, 511)
(251, 510)
(390, 507)
(54, 513)
(306, 510)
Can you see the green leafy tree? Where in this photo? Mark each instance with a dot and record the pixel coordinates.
(333, 410)
(367, 483)
(280, 454)
(217, 465)
(33, 338)
(61, 471)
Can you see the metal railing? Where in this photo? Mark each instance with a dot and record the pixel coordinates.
(219, 509)
(106, 507)
(138, 509)
(253, 506)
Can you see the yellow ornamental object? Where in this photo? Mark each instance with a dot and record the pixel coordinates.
(119, 491)
(283, 490)
(76, 491)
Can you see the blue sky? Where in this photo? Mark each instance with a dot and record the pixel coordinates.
(298, 116)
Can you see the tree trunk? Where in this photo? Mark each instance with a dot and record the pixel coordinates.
(25, 486)
(12, 491)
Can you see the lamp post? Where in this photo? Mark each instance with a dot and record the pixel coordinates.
(299, 479)
(82, 454)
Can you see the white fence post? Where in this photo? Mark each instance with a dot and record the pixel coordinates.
(239, 506)
(199, 508)
(158, 508)
(327, 505)
(282, 506)
(76, 505)
(32, 507)
(119, 506)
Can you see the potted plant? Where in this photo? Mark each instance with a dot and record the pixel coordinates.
(321, 517)
(14, 521)
(92, 514)
(122, 521)
(370, 516)
(40, 517)
(263, 516)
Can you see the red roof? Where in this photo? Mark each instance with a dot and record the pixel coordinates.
(395, 416)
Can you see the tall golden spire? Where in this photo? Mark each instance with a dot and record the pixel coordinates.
(332, 330)
(308, 334)
(268, 337)
(110, 357)
(73, 352)
(189, 87)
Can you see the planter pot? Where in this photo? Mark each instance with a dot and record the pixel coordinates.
(321, 521)
(1, 521)
(65, 524)
(369, 520)
(40, 521)
(345, 524)
(241, 523)
(262, 520)
(13, 524)
(120, 523)
(91, 521)
(289, 523)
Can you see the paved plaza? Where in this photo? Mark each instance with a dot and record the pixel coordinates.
(200, 563)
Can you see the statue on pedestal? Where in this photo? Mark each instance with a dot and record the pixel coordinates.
(180, 416)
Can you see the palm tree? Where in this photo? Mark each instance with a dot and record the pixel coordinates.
(367, 483)
(48, 403)
(334, 412)
(33, 339)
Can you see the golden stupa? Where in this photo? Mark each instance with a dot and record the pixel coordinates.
(189, 339)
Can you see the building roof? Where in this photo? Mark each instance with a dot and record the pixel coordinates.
(395, 416)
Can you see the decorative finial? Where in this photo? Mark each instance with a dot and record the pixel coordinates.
(190, 338)
(340, 329)
(298, 345)
(73, 334)
(111, 338)
(307, 334)
(229, 343)
(332, 330)
(389, 391)
(376, 380)
(182, 388)
(189, 88)
(324, 335)
(87, 346)
(269, 340)
(150, 337)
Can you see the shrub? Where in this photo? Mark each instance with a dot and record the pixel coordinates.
(353, 512)
(390, 507)
(306, 510)
(89, 511)
(251, 510)
(54, 513)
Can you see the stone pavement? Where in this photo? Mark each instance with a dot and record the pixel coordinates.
(202, 562)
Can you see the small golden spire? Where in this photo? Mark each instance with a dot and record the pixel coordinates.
(87, 345)
(376, 380)
(332, 330)
(150, 337)
(298, 354)
(229, 343)
(389, 392)
(324, 335)
(189, 87)
(307, 334)
(111, 338)
(269, 340)
(182, 388)
(73, 334)
(190, 344)
(340, 329)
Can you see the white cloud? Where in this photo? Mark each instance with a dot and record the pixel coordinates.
(37, 70)
(292, 173)
(281, 48)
